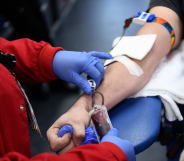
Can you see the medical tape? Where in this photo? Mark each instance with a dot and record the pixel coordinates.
(132, 67)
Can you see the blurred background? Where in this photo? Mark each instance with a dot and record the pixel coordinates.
(77, 25)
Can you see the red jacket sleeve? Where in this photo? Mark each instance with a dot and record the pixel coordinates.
(34, 60)
(104, 152)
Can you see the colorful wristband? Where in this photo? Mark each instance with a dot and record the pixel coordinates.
(142, 18)
(168, 27)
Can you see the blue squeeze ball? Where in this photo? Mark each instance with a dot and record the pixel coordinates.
(90, 136)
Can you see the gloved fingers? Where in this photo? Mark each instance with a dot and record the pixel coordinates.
(100, 61)
(91, 63)
(95, 74)
(113, 132)
(128, 149)
(82, 83)
(101, 55)
(97, 60)
(124, 145)
(70, 146)
(100, 67)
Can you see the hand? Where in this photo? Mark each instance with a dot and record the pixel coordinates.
(68, 65)
(124, 145)
(78, 118)
(90, 136)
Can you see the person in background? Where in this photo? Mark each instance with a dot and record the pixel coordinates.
(118, 83)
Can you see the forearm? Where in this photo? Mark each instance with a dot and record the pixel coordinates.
(118, 83)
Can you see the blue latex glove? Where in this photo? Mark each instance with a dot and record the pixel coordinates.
(68, 65)
(124, 145)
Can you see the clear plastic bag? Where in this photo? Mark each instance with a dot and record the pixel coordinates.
(100, 121)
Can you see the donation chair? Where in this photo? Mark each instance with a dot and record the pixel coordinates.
(138, 120)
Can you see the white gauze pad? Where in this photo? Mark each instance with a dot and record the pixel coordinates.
(132, 67)
(136, 47)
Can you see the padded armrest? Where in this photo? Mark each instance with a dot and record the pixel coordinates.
(138, 120)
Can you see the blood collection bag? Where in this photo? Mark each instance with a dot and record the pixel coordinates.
(100, 121)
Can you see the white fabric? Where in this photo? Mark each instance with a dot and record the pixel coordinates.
(182, 156)
(136, 47)
(133, 67)
(167, 82)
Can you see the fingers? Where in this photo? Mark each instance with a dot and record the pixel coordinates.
(101, 55)
(113, 132)
(95, 74)
(57, 143)
(82, 83)
(100, 67)
(100, 61)
(79, 129)
(96, 71)
(70, 146)
(78, 118)
(78, 124)
(78, 133)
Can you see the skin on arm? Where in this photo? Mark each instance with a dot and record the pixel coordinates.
(118, 83)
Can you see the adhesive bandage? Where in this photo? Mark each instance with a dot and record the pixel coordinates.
(132, 67)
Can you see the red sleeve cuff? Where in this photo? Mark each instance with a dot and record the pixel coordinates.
(118, 153)
(45, 61)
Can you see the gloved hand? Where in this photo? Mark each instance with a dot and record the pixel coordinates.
(68, 65)
(124, 145)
